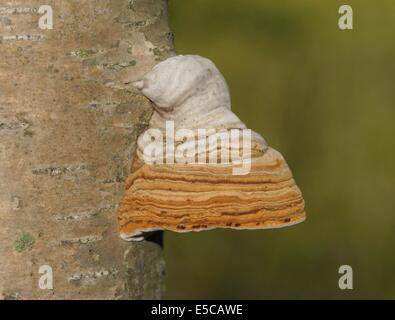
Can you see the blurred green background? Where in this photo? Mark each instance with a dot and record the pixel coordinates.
(325, 99)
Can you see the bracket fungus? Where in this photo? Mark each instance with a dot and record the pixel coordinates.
(197, 167)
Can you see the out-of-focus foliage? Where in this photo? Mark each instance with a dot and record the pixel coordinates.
(325, 98)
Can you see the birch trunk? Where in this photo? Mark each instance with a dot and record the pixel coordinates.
(69, 120)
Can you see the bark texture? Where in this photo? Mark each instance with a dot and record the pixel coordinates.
(69, 120)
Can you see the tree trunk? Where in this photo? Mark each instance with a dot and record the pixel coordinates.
(69, 120)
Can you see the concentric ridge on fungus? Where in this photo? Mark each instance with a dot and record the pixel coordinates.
(190, 92)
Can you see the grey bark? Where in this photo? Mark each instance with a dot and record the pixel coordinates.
(69, 119)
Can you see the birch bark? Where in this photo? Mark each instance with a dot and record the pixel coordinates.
(69, 119)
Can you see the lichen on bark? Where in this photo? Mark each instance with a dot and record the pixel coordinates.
(69, 119)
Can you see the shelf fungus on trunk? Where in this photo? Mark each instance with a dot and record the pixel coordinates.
(197, 166)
